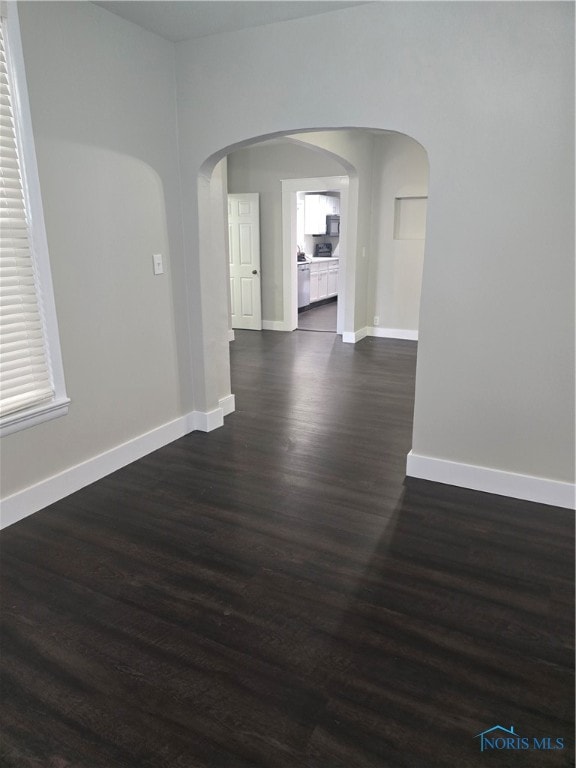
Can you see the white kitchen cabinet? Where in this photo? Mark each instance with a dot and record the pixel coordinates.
(314, 283)
(316, 208)
(323, 279)
(333, 270)
(314, 216)
(332, 205)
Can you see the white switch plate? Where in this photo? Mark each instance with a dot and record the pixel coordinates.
(158, 265)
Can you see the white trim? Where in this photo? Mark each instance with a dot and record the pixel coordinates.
(231, 335)
(206, 421)
(393, 333)
(30, 500)
(527, 487)
(351, 337)
(227, 404)
(348, 217)
(14, 422)
(275, 325)
(24, 503)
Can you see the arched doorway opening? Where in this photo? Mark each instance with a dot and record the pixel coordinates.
(368, 298)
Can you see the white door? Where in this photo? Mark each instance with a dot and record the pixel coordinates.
(244, 231)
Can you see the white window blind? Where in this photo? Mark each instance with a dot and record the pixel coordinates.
(25, 378)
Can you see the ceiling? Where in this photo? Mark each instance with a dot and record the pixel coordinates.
(179, 20)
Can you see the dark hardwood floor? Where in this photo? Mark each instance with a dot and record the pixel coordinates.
(275, 594)
(322, 318)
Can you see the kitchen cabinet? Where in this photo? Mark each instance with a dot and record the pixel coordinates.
(333, 279)
(323, 279)
(314, 283)
(332, 205)
(316, 208)
(323, 282)
(314, 216)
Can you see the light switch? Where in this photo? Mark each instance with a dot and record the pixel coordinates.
(158, 265)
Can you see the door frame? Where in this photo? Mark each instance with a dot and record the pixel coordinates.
(349, 217)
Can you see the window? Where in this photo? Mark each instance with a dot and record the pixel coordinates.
(31, 376)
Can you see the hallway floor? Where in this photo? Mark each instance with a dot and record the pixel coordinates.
(322, 318)
(275, 594)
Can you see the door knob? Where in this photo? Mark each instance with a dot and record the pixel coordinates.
(254, 271)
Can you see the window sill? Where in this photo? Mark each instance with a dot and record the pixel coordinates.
(14, 422)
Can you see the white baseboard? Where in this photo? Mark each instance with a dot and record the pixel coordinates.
(227, 404)
(526, 487)
(273, 325)
(23, 503)
(231, 335)
(393, 333)
(267, 325)
(206, 421)
(351, 337)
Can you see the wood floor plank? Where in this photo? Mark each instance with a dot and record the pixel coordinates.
(275, 593)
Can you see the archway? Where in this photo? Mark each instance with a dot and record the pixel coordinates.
(346, 183)
(357, 301)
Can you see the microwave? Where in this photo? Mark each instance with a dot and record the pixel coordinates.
(333, 226)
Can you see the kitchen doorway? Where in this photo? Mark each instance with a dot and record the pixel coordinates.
(318, 252)
(315, 278)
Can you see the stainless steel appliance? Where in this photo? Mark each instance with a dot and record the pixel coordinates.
(303, 285)
(333, 226)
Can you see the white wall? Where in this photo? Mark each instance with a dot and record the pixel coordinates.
(400, 168)
(102, 98)
(487, 89)
(261, 169)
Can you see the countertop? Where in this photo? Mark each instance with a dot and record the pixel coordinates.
(318, 259)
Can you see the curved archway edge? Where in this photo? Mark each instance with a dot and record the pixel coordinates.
(212, 381)
(292, 134)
